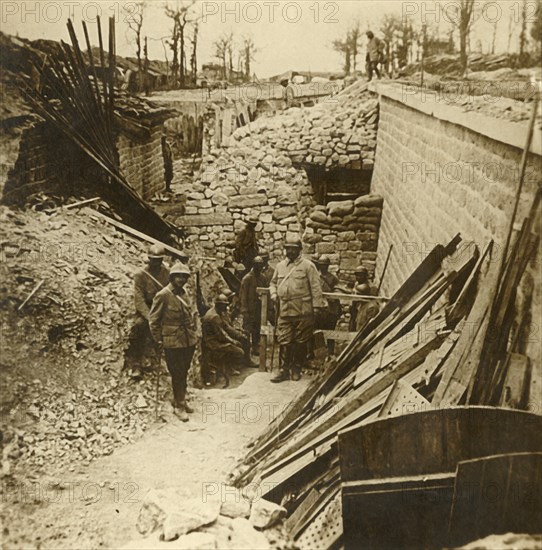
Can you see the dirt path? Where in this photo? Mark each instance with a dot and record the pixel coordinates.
(98, 506)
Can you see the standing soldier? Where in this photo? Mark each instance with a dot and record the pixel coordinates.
(246, 244)
(267, 270)
(360, 312)
(329, 317)
(168, 163)
(296, 291)
(173, 327)
(147, 282)
(251, 307)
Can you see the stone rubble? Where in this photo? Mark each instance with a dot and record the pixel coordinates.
(259, 170)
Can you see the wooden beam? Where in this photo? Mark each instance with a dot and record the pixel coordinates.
(140, 235)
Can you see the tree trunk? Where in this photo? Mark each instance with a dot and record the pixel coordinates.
(182, 69)
(463, 36)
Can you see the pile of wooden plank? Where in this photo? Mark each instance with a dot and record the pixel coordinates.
(427, 348)
(78, 97)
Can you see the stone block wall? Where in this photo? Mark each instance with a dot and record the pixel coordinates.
(141, 162)
(347, 232)
(259, 170)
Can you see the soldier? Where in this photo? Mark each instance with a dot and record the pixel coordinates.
(251, 307)
(168, 163)
(362, 312)
(147, 282)
(267, 270)
(172, 322)
(297, 289)
(246, 244)
(329, 317)
(219, 344)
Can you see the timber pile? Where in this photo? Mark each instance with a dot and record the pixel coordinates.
(428, 347)
(78, 97)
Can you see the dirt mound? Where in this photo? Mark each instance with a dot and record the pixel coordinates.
(65, 397)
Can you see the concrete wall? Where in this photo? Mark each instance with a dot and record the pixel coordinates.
(442, 171)
(439, 178)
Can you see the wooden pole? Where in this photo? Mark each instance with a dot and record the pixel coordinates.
(523, 167)
(385, 267)
(36, 288)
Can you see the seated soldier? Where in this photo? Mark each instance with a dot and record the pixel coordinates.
(221, 349)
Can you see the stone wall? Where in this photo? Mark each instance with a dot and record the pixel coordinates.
(142, 163)
(259, 170)
(346, 231)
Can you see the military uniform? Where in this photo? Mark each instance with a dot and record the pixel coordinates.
(146, 285)
(297, 286)
(251, 307)
(218, 344)
(362, 312)
(172, 321)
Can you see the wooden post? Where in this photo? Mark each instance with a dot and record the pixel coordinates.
(263, 294)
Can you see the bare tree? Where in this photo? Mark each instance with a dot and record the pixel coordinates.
(134, 19)
(222, 48)
(146, 83)
(353, 37)
(511, 29)
(194, 55)
(343, 47)
(247, 55)
(536, 29)
(182, 15)
(494, 37)
(463, 22)
(523, 38)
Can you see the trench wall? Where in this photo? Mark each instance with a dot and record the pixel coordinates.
(443, 171)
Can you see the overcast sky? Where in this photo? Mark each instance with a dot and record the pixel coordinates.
(288, 35)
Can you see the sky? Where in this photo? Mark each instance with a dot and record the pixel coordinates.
(289, 35)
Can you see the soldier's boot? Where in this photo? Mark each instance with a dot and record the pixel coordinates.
(282, 376)
(286, 360)
(299, 359)
(181, 414)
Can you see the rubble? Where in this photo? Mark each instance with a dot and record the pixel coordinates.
(265, 514)
(67, 399)
(259, 169)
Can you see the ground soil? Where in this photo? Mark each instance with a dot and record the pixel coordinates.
(98, 505)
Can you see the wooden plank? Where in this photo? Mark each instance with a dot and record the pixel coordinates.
(516, 384)
(496, 494)
(135, 233)
(437, 440)
(399, 513)
(263, 334)
(403, 399)
(201, 220)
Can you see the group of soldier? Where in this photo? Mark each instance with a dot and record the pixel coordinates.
(166, 310)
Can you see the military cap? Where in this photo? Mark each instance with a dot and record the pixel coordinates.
(179, 269)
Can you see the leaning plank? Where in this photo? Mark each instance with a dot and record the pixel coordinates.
(140, 235)
(516, 383)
